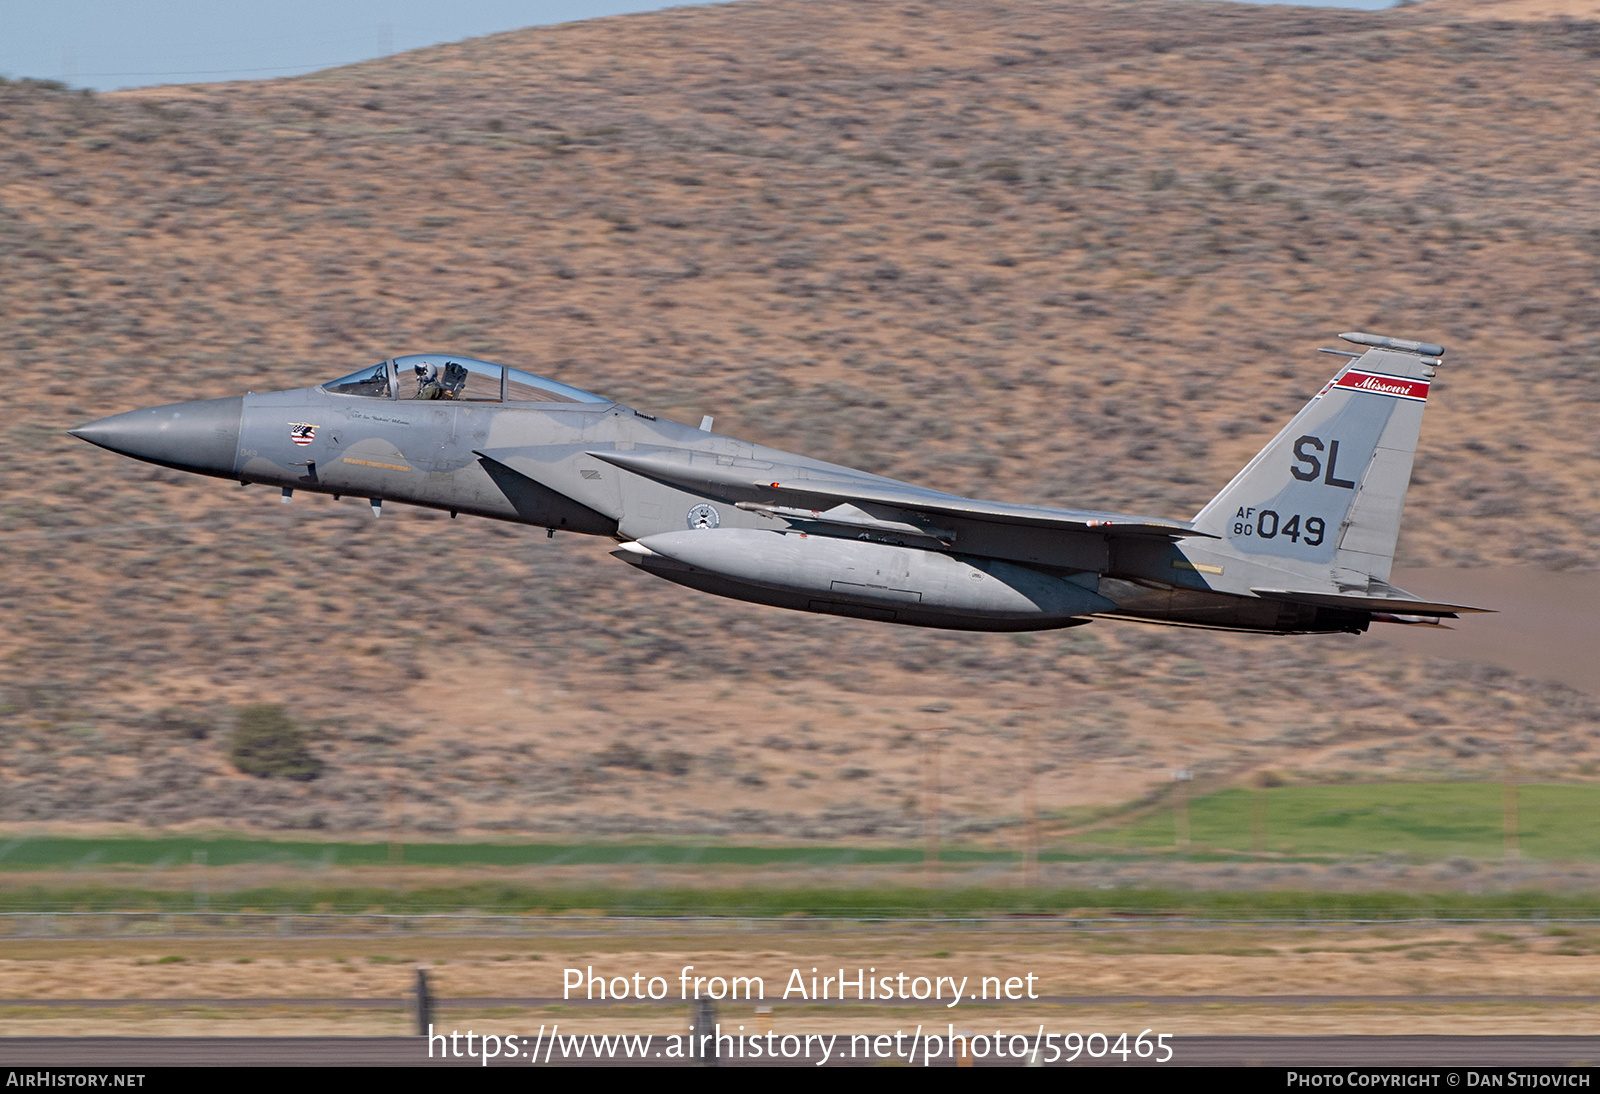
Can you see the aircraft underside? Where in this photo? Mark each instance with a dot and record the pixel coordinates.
(1144, 605)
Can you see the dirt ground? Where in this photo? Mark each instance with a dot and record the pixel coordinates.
(1156, 870)
(1510, 961)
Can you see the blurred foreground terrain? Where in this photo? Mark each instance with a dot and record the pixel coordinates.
(1077, 254)
(1273, 982)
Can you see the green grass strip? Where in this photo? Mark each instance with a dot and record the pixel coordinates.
(1554, 822)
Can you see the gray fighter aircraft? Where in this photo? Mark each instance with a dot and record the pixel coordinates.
(1300, 541)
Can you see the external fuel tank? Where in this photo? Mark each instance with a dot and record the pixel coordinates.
(866, 579)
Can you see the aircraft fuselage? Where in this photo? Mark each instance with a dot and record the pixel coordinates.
(754, 523)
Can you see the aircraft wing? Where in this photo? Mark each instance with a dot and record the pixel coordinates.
(1404, 604)
(741, 484)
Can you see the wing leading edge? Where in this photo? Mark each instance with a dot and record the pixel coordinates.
(738, 484)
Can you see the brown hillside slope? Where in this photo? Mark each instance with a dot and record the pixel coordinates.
(1510, 10)
(1075, 254)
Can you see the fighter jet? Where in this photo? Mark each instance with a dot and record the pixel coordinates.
(1301, 541)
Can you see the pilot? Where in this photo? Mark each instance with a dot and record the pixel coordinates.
(428, 385)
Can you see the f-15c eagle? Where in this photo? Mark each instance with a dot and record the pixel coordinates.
(1301, 541)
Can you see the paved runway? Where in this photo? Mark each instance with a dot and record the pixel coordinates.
(1444, 1052)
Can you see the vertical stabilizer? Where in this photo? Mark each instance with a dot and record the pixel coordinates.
(1319, 507)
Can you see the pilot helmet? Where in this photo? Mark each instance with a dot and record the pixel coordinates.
(426, 370)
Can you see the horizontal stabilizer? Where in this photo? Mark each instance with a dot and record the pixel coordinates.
(740, 484)
(1396, 605)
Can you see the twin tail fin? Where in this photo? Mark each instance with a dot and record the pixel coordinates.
(1317, 511)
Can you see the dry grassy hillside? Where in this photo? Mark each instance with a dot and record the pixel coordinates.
(1074, 254)
(1516, 10)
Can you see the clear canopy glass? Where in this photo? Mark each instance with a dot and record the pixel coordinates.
(434, 376)
(372, 381)
(457, 379)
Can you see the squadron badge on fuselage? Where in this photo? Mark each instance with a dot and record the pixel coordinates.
(302, 432)
(704, 516)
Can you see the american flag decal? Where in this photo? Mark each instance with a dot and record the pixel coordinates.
(1399, 387)
(302, 432)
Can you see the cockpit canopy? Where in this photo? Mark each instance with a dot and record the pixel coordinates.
(458, 379)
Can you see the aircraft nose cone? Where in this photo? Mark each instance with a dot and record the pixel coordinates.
(202, 436)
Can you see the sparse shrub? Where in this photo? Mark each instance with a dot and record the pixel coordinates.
(622, 754)
(1223, 183)
(268, 745)
(182, 723)
(1132, 98)
(1003, 171)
